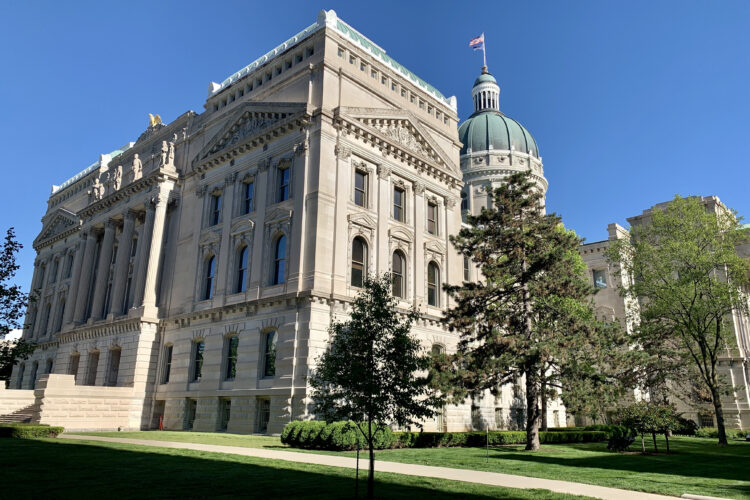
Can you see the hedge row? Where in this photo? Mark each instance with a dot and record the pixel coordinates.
(344, 436)
(713, 432)
(28, 431)
(317, 435)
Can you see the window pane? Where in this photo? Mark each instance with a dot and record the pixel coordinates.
(232, 357)
(433, 278)
(284, 184)
(269, 362)
(397, 274)
(398, 204)
(600, 278)
(208, 288)
(280, 261)
(167, 364)
(242, 270)
(359, 257)
(249, 188)
(360, 188)
(198, 360)
(432, 218)
(215, 209)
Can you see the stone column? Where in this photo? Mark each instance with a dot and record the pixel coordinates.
(144, 247)
(384, 209)
(225, 278)
(84, 283)
(154, 255)
(121, 264)
(418, 259)
(102, 271)
(75, 276)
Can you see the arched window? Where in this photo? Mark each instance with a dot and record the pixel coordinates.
(464, 201)
(45, 320)
(48, 367)
(437, 349)
(279, 262)
(113, 367)
(209, 274)
(433, 281)
(34, 372)
(197, 368)
(241, 284)
(73, 362)
(397, 274)
(359, 261)
(59, 314)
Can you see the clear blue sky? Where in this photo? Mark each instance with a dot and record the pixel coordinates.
(630, 102)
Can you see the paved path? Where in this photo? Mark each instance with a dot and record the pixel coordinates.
(471, 476)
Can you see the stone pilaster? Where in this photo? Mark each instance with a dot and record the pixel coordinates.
(225, 280)
(144, 248)
(121, 265)
(102, 272)
(384, 208)
(418, 259)
(84, 283)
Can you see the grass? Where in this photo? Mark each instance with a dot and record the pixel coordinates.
(49, 468)
(695, 465)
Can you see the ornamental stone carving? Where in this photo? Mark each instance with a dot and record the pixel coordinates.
(450, 202)
(384, 172)
(263, 165)
(301, 148)
(404, 136)
(342, 152)
(418, 188)
(137, 167)
(117, 178)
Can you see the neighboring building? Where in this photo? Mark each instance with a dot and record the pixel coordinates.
(610, 305)
(190, 278)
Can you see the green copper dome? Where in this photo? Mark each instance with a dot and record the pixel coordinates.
(484, 77)
(490, 129)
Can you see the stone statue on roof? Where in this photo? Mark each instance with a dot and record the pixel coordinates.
(154, 120)
(137, 167)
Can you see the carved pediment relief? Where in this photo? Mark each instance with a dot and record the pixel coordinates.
(361, 219)
(278, 215)
(435, 247)
(242, 225)
(209, 238)
(57, 225)
(402, 130)
(252, 120)
(401, 233)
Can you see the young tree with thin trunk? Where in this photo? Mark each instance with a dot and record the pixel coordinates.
(531, 304)
(689, 280)
(375, 371)
(12, 306)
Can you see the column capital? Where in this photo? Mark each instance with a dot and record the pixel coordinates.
(384, 172)
(418, 188)
(130, 214)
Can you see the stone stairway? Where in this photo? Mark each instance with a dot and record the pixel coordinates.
(18, 416)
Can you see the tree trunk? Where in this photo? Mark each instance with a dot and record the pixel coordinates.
(544, 401)
(643, 444)
(371, 473)
(532, 408)
(719, 415)
(666, 436)
(653, 436)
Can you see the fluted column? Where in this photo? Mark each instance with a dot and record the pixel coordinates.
(385, 209)
(154, 255)
(102, 271)
(75, 275)
(84, 284)
(121, 264)
(144, 248)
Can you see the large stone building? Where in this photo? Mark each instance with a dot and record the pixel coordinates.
(190, 277)
(734, 363)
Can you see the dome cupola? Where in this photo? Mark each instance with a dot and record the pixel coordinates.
(486, 92)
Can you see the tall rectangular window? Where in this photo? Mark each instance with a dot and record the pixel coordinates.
(73, 364)
(432, 217)
(264, 415)
(68, 267)
(283, 191)
(226, 408)
(466, 268)
(167, 364)
(198, 348)
(249, 191)
(398, 204)
(190, 411)
(215, 215)
(360, 188)
(114, 367)
(232, 344)
(269, 354)
(93, 365)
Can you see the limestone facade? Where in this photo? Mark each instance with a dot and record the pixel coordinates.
(191, 276)
(610, 305)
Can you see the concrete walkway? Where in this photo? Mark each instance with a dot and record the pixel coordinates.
(471, 476)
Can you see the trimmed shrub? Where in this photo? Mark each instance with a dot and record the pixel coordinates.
(685, 427)
(713, 432)
(29, 431)
(316, 434)
(288, 430)
(613, 431)
(496, 438)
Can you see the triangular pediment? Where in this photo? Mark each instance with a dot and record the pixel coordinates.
(253, 123)
(363, 220)
(403, 130)
(278, 214)
(56, 225)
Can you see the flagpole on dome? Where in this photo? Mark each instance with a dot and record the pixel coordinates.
(477, 43)
(484, 52)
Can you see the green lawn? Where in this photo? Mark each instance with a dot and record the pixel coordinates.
(49, 468)
(695, 466)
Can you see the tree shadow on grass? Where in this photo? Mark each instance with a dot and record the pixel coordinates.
(55, 469)
(689, 459)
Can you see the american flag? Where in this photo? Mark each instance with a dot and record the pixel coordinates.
(477, 43)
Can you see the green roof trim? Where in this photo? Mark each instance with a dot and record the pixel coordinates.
(327, 18)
